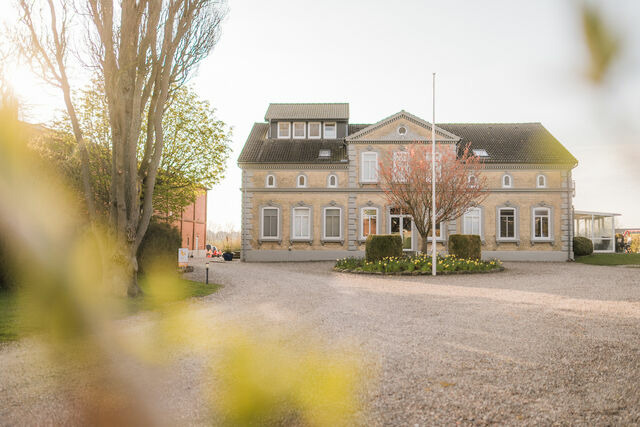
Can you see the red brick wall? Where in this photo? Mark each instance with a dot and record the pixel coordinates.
(194, 223)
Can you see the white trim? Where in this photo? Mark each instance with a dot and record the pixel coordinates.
(332, 175)
(306, 182)
(262, 236)
(475, 180)
(280, 136)
(324, 224)
(319, 130)
(266, 181)
(515, 237)
(293, 223)
(400, 157)
(544, 183)
(549, 224)
(479, 216)
(438, 238)
(510, 181)
(362, 169)
(362, 236)
(335, 130)
(304, 130)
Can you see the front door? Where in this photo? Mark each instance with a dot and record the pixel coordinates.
(402, 224)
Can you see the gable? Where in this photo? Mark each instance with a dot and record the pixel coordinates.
(401, 127)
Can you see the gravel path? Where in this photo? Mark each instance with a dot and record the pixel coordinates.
(537, 344)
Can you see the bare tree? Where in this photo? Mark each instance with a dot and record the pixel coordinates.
(143, 49)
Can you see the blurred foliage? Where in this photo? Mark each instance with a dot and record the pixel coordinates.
(71, 293)
(160, 244)
(635, 244)
(603, 44)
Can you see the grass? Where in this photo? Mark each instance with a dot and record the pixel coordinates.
(9, 319)
(610, 259)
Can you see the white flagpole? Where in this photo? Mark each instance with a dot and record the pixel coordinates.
(434, 260)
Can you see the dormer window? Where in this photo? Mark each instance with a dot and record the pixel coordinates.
(314, 130)
(299, 130)
(330, 130)
(324, 153)
(284, 130)
(480, 153)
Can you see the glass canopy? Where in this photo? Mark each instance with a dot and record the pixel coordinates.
(599, 227)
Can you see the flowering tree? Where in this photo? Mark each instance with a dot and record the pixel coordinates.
(405, 178)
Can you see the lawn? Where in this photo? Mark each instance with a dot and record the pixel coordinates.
(610, 259)
(10, 331)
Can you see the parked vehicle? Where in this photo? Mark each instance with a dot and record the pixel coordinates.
(213, 252)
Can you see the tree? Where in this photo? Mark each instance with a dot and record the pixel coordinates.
(406, 181)
(143, 50)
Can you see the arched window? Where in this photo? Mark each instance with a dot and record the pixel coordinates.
(507, 181)
(301, 181)
(541, 181)
(332, 181)
(473, 181)
(271, 181)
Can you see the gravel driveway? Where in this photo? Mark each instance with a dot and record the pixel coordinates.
(536, 344)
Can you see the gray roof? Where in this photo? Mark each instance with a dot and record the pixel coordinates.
(512, 142)
(325, 111)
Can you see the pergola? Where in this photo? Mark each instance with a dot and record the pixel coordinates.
(599, 227)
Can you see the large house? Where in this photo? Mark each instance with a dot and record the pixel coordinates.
(310, 188)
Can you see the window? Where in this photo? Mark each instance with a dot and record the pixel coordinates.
(401, 223)
(507, 223)
(284, 130)
(332, 223)
(332, 181)
(507, 181)
(541, 181)
(314, 130)
(480, 152)
(473, 181)
(402, 131)
(541, 217)
(369, 221)
(400, 166)
(369, 167)
(271, 181)
(438, 163)
(301, 181)
(299, 130)
(270, 223)
(301, 223)
(324, 153)
(329, 131)
(471, 221)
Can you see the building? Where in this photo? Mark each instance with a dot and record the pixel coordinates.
(193, 224)
(310, 188)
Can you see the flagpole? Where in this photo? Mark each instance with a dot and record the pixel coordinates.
(434, 259)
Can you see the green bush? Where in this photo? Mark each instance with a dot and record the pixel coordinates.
(467, 246)
(582, 246)
(160, 245)
(380, 246)
(6, 278)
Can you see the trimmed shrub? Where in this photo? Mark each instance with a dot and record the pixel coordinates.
(582, 246)
(160, 245)
(380, 246)
(466, 246)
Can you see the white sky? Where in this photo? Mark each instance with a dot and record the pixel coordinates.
(496, 61)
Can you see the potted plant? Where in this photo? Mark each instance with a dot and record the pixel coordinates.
(226, 251)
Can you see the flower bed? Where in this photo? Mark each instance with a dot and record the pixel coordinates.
(417, 264)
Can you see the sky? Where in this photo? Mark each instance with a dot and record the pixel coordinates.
(495, 61)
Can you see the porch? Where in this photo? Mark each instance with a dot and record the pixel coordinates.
(599, 227)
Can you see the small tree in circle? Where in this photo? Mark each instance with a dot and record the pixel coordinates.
(405, 178)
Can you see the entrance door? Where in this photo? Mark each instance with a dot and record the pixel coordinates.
(402, 224)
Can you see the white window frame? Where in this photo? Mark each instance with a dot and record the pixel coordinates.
(293, 223)
(438, 163)
(364, 179)
(479, 216)
(280, 136)
(324, 224)
(304, 130)
(335, 130)
(362, 236)
(400, 156)
(515, 224)
(506, 175)
(319, 130)
(544, 181)
(329, 185)
(473, 178)
(266, 181)
(533, 224)
(298, 181)
(262, 236)
(438, 238)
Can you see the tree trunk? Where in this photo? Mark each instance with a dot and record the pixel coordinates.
(425, 245)
(133, 290)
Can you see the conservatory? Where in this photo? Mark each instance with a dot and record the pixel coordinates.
(599, 227)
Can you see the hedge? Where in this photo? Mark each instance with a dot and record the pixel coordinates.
(160, 245)
(582, 246)
(466, 246)
(6, 278)
(380, 246)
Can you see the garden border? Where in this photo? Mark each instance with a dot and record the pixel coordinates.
(418, 272)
